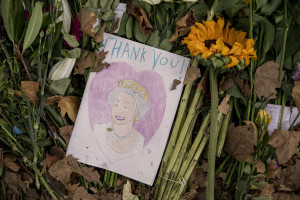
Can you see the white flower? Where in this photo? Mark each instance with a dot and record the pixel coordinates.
(62, 69)
(66, 17)
(152, 1)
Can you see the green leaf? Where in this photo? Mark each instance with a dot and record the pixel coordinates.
(92, 4)
(166, 45)
(225, 4)
(34, 25)
(74, 53)
(269, 33)
(153, 39)
(71, 40)
(161, 16)
(128, 27)
(5, 15)
(107, 16)
(18, 16)
(60, 86)
(106, 5)
(138, 33)
(115, 4)
(201, 10)
(122, 27)
(235, 92)
(270, 7)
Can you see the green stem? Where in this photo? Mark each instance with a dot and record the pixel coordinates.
(212, 148)
(212, 11)
(282, 109)
(283, 44)
(224, 129)
(298, 115)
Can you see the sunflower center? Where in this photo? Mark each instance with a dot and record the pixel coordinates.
(208, 43)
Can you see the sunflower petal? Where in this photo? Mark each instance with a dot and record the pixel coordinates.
(240, 36)
(226, 32)
(231, 37)
(219, 28)
(210, 25)
(202, 29)
(236, 49)
(234, 62)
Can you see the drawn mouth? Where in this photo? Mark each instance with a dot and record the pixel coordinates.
(119, 117)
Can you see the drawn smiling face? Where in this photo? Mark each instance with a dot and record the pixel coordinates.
(123, 108)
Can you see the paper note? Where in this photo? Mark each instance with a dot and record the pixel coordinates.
(127, 110)
(275, 114)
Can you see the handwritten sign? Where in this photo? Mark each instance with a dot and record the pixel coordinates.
(127, 110)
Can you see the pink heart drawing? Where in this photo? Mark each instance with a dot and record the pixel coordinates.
(107, 80)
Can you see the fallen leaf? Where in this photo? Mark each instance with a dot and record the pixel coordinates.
(204, 165)
(10, 162)
(175, 83)
(99, 35)
(52, 100)
(69, 105)
(271, 172)
(240, 141)
(183, 25)
(127, 192)
(49, 160)
(197, 179)
(30, 88)
(91, 60)
(286, 144)
(57, 151)
(72, 188)
(13, 181)
(291, 175)
(204, 86)
(90, 174)
(296, 94)
(141, 16)
(87, 19)
(285, 196)
(260, 166)
(266, 80)
(192, 74)
(63, 169)
(226, 81)
(244, 87)
(66, 132)
(224, 106)
(82, 194)
(268, 191)
(222, 175)
(190, 195)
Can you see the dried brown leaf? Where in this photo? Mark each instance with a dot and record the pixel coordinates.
(266, 80)
(57, 151)
(82, 194)
(291, 175)
(66, 132)
(87, 19)
(69, 105)
(175, 83)
(285, 196)
(30, 88)
(192, 74)
(11, 162)
(72, 188)
(222, 175)
(224, 106)
(260, 166)
(271, 172)
(268, 191)
(99, 35)
(244, 87)
(63, 169)
(90, 174)
(286, 144)
(52, 100)
(183, 25)
(49, 160)
(197, 179)
(141, 16)
(13, 182)
(226, 81)
(240, 141)
(91, 60)
(296, 94)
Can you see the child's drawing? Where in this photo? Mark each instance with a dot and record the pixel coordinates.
(125, 109)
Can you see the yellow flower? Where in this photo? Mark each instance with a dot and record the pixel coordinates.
(263, 118)
(210, 37)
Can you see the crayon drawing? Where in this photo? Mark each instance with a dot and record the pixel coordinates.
(125, 110)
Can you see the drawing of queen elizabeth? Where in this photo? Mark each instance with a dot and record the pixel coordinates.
(129, 103)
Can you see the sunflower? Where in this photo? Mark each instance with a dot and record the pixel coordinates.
(210, 38)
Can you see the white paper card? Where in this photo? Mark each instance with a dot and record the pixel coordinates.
(289, 116)
(127, 110)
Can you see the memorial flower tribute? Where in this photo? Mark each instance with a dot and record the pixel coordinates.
(234, 135)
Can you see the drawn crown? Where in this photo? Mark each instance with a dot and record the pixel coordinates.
(134, 86)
